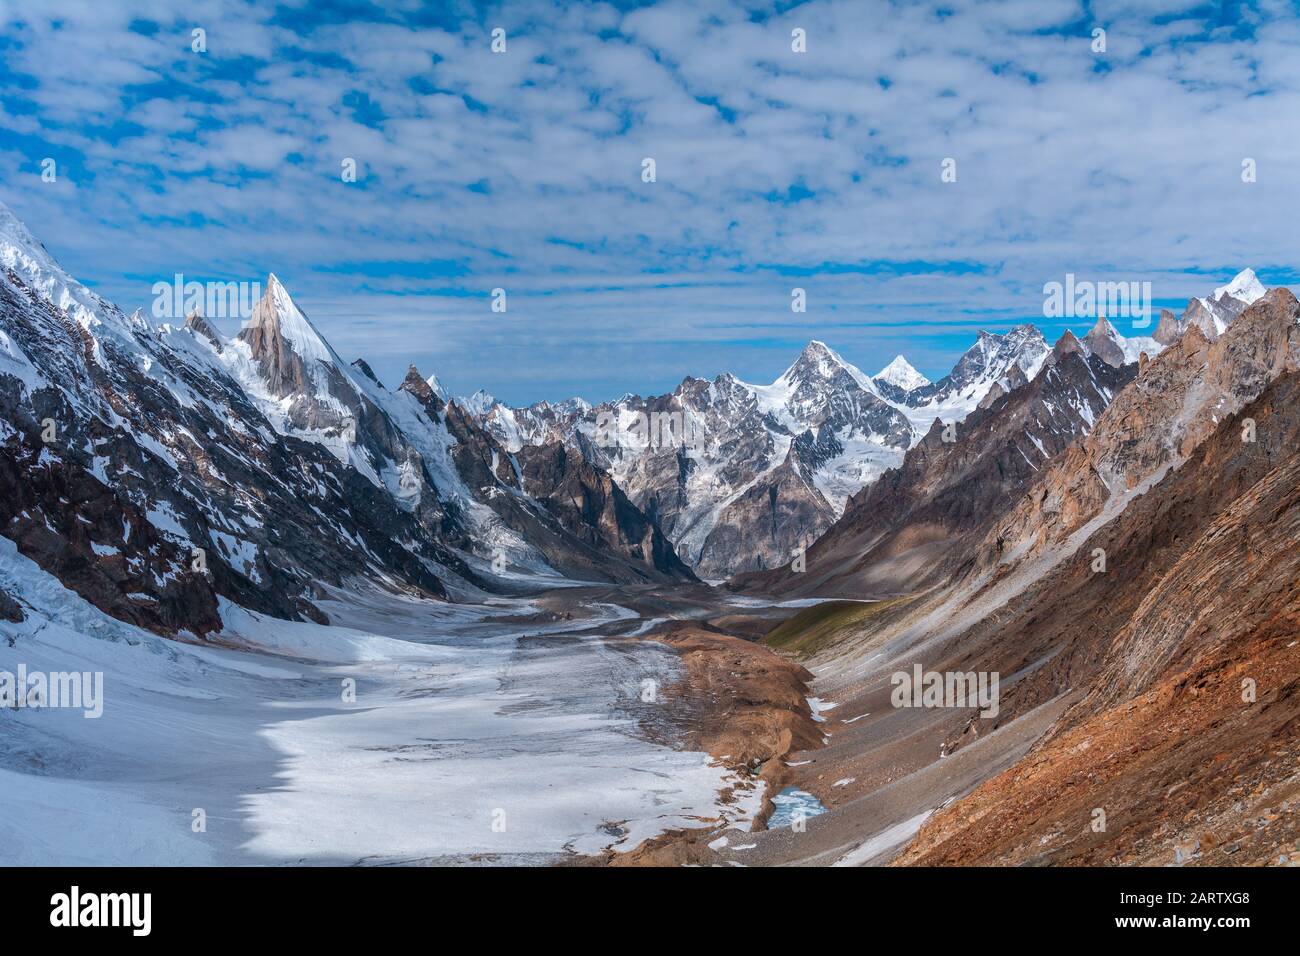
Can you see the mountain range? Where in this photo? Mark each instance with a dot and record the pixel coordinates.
(285, 466)
(477, 492)
(772, 466)
(1118, 542)
(1110, 523)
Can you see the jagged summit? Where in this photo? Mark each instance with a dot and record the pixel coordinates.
(195, 322)
(423, 389)
(277, 319)
(818, 353)
(314, 390)
(480, 403)
(25, 256)
(1012, 357)
(817, 368)
(901, 374)
(433, 383)
(1212, 314)
(1245, 286)
(1102, 327)
(1103, 341)
(1068, 343)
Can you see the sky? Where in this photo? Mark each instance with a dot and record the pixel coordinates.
(774, 169)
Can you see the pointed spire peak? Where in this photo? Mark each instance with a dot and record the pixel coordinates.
(1066, 344)
(900, 373)
(1102, 328)
(277, 316)
(275, 294)
(1245, 287)
(362, 366)
(196, 323)
(414, 381)
(426, 392)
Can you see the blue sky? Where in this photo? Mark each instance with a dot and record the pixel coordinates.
(775, 169)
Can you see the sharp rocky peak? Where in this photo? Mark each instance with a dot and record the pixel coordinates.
(195, 322)
(901, 373)
(278, 324)
(1245, 287)
(1067, 343)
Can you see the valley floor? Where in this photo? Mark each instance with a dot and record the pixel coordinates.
(526, 730)
(588, 725)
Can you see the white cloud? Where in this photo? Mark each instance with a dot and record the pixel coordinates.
(1134, 168)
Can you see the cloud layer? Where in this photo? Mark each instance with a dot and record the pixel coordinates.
(775, 169)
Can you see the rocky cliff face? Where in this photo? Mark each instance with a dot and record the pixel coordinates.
(1183, 649)
(1179, 398)
(587, 500)
(768, 523)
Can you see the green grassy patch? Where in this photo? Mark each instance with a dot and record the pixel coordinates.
(821, 625)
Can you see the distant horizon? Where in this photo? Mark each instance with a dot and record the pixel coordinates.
(391, 372)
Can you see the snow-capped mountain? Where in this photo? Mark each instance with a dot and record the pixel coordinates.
(139, 471)
(946, 487)
(1008, 360)
(769, 467)
(160, 471)
(1245, 287)
(1212, 314)
(752, 472)
(416, 446)
(900, 374)
(776, 463)
(480, 403)
(738, 476)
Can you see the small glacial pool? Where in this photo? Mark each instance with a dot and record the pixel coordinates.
(790, 804)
